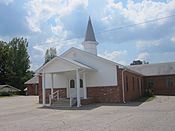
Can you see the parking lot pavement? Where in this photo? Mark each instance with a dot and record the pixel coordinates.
(23, 113)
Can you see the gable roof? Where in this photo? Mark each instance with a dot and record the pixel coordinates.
(10, 87)
(33, 80)
(155, 69)
(72, 62)
(90, 54)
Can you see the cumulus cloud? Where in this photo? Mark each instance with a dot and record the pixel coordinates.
(143, 56)
(114, 55)
(44, 10)
(144, 10)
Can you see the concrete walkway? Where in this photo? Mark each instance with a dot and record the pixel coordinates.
(23, 113)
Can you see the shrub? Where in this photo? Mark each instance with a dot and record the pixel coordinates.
(5, 94)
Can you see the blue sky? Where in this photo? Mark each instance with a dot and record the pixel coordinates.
(48, 23)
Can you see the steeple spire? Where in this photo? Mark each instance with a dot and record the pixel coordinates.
(90, 36)
(90, 43)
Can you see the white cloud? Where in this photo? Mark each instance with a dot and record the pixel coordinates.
(143, 56)
(6, 2)
(141, 11)
(173, 38)
(114, 55)
(147, 43)
(41, 11)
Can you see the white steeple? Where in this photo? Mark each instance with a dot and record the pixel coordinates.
(90, 43)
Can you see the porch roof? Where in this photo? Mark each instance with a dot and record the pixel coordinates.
(68, 64)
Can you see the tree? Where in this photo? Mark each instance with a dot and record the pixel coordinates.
(4, 70)
(50, 54)
(139, 62)
(19, 61)
(14, 63)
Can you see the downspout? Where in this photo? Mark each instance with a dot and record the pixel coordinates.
(123, 88)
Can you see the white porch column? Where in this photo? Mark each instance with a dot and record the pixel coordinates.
(84, 85)
(78, 88)
(43, 89)
(52, 85)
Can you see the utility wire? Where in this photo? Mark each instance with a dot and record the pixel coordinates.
(112, 29)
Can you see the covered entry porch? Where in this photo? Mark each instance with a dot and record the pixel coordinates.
(67, 74)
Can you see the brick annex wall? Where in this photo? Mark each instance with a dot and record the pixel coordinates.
(160, 84)
(133, 86)
(31, 89)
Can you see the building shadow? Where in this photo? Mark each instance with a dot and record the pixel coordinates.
(134, 103)
(84, 107)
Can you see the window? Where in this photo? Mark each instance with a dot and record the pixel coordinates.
(81, 83)
(150, 84)
(72, 84)
(126, 83)
(169, 83)
(133, 84)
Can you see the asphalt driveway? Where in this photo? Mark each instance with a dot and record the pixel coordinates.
(23, 113)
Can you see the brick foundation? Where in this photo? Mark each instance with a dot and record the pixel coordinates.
(104, 94)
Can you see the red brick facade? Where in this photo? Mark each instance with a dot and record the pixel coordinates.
(32, 89)
(114, 93)
(105, 94)
(160, 84)
(133, 84)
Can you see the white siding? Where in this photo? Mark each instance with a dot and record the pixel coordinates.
(59, 66)
(60, 81)
(106, 74)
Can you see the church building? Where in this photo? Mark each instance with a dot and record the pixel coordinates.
(81, 77)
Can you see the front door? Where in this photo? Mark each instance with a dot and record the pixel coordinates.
(73, 88)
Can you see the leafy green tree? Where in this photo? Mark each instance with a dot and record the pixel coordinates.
(4, 67)
(19, 62)
(50, 54)
(14, 63)
(139, 62)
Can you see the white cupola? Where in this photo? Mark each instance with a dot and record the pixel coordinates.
(90, 43)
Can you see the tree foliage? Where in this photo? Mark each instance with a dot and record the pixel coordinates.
(14, 63)
(50, 54)
(139, 62)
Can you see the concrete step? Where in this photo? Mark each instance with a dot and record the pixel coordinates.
(62, 103)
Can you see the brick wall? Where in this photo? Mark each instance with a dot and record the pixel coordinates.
(31, 89)
(104, 94)
(40, 88)
(135, 88)
(160, 86)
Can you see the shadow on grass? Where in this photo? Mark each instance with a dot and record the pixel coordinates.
(134, 103)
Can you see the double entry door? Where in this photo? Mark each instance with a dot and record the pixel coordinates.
(73, 88)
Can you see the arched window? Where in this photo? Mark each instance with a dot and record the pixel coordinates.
(72, 84)
(81, 83)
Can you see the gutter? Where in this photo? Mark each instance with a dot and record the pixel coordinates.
(123, 88)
